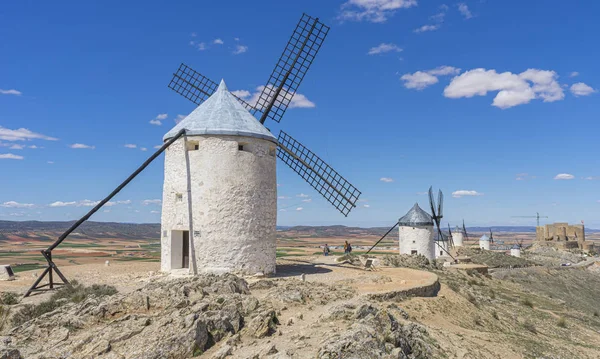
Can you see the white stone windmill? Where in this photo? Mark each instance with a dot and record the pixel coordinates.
(220, 191)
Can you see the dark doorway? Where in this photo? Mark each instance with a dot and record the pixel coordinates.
(186, 250)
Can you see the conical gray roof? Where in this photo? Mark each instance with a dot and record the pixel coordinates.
(222, 114)
(484, 238)
(416, 217)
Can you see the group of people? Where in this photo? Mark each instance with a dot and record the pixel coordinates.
(347, 249)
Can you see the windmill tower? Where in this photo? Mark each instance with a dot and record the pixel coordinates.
(220, 190)
(515, 251)
(484, 242)
(415, 233)
(458, 237)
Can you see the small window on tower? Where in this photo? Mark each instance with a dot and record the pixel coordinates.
(242, 146)
(179, 197)
(414, 242)
(413, 252)
(196, 147)
(192, 145)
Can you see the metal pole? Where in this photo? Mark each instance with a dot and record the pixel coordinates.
(385, 235)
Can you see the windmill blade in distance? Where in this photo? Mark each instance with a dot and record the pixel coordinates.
(440, 211)
(196, 87)
(432, 202)
(298, 55)
(465, 231)
(450, 239)
(330, 184)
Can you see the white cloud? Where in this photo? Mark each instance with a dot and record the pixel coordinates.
(13, 204)
(50, 162)
(279, 185)
(10, 92)
(283, 210)
(574, 74)
(366, 205)
(422, 79)
(82, 146)
(308, 200)
(62, 204)
(154, 211)
(377, 11)
(591, 178)
(383, 48)
(464, 10)
(33, 147)
(158, 146)
(10, 156)
(564, 176)
(236, 39)
(193, 34)
(386, 179)
(158, 119)
(130, 145)
(283, 197)
(463, 193)
(106, 211)
(513, 89)
(296, 100)
(426, 28)
(581, 89)
(421, 193)
(302, 195)
(22, 134)
(151, 201)
(218, 42)
(127, 201)
(299, 209)
(201, 46)
(16, 147)
(240, 49)
(143, 149)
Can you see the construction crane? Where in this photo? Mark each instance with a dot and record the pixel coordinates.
(537, 216)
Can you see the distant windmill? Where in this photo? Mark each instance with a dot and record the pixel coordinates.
(537, 216)
(298, 55)
(437, 213)
(491, 236)
(465, 231)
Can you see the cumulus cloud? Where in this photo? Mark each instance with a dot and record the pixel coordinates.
(564, 176)
(22, 134)
(465, 193)
(299, 209)
(283, 197)
(50, 162)
(13, 204)
(62, 204)
(581, 89)
(218, 42)
(376, 11)
(143, 149)
(574, 74)
(302, 195)
(426, 28)
(422, 79)
(82, 146)
(464, 10)
(154, 211)
(240, 49)
(86, 203)
(296, 100)
(10, 92)
(523, 176)
(151, 201)
(386, 179)
(307, 200)
(10, 156)
(130, 145)
(366, 205)
(158, 119)
(16, 147)
(513, 89)
(383, 48)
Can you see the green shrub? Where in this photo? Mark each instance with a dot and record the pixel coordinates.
(562, 323)
(9, 298)
(527, 302)
(529, 326)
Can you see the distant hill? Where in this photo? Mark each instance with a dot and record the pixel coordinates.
(90, 229)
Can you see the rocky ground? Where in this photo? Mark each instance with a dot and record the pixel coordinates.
(313, 308)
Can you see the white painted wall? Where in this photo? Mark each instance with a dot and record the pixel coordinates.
(439, 252)
(484, 245)
(458, 239)
(233, 202)
(515, 252)
(419, 238)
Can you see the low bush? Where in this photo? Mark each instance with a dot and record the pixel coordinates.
(74, 293)
(9, 298)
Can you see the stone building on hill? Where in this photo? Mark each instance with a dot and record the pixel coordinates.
(563, 235)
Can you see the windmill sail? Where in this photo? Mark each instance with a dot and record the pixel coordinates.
(298, 55)
(330, 184)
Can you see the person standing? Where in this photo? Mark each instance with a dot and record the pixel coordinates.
(326, 250)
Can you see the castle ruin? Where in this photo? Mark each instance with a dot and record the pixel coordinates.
(563, 235)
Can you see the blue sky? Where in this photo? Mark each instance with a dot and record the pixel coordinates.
(494, 101)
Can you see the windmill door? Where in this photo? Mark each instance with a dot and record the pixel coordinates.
(186, 250)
